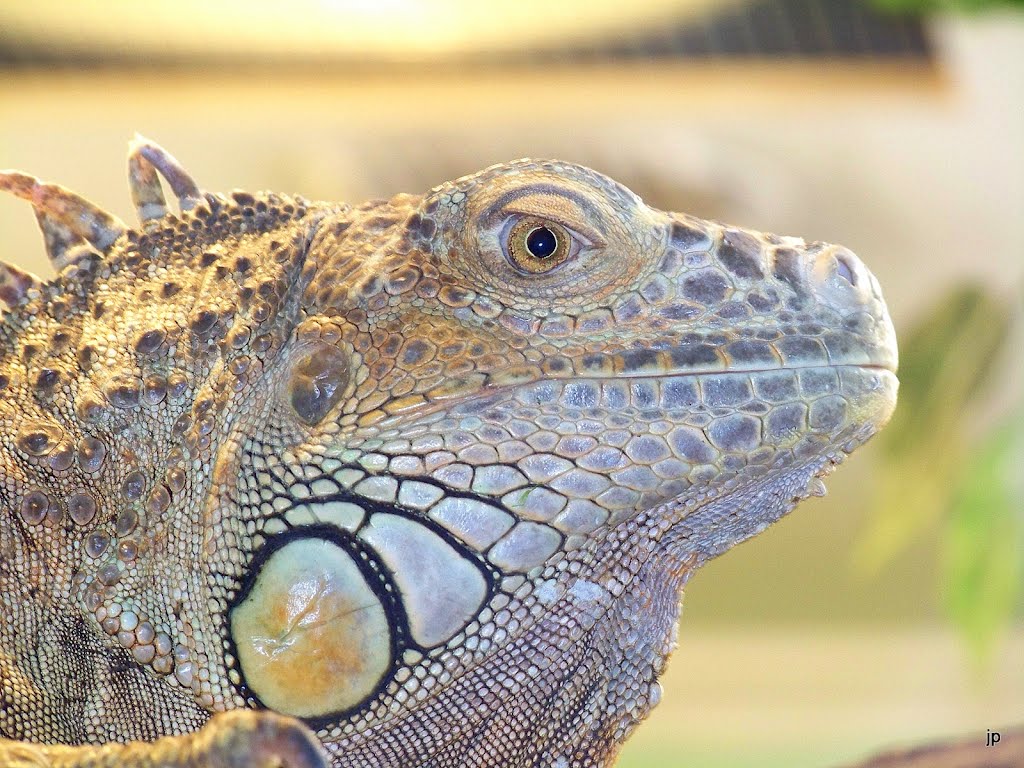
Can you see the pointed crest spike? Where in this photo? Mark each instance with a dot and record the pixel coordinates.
(147, 193)
(67, 219)
(141, 153)
(60, 240)
(15, 284)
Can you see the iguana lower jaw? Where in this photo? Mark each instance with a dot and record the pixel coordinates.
(427, 473)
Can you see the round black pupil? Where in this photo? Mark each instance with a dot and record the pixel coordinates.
(541, 243)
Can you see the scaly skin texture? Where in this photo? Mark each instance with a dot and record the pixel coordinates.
(398, 470)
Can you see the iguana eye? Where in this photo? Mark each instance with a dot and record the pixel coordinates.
(535, 245)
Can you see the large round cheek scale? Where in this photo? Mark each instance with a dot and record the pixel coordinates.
(312, 637)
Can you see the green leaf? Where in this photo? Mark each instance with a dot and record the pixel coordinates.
(933, 6)
(984, 548)
(945, 363)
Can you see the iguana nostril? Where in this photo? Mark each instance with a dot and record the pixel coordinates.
(846, 270)
(839, 279)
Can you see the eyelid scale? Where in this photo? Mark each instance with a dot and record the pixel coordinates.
(575, 225)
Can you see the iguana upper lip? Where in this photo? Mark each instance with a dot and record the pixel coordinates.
(670, 374)
(661, 367)
(457, 390)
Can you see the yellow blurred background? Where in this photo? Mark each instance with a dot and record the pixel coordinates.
(900, 137)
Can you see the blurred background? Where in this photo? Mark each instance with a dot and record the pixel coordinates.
(890, 611)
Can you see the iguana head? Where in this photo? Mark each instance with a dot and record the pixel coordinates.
(428, 473)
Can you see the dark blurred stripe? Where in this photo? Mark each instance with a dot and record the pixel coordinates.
(794, 29)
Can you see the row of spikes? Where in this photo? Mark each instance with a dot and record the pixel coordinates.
(73, 227)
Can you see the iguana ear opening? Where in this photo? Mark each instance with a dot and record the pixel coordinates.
(319, 375)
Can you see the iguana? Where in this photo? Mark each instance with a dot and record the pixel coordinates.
(423, 476)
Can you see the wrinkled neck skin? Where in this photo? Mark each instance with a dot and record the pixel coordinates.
(571, 689)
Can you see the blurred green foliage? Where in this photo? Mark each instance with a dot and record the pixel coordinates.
(984, 542)
(937, 471)
(934, 6)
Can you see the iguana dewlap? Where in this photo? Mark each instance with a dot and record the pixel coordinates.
(427, 474)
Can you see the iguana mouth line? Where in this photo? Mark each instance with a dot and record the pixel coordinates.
(487, 389)
(876, 366)
(886, 367)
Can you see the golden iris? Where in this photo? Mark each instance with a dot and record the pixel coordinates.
(537, 246)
